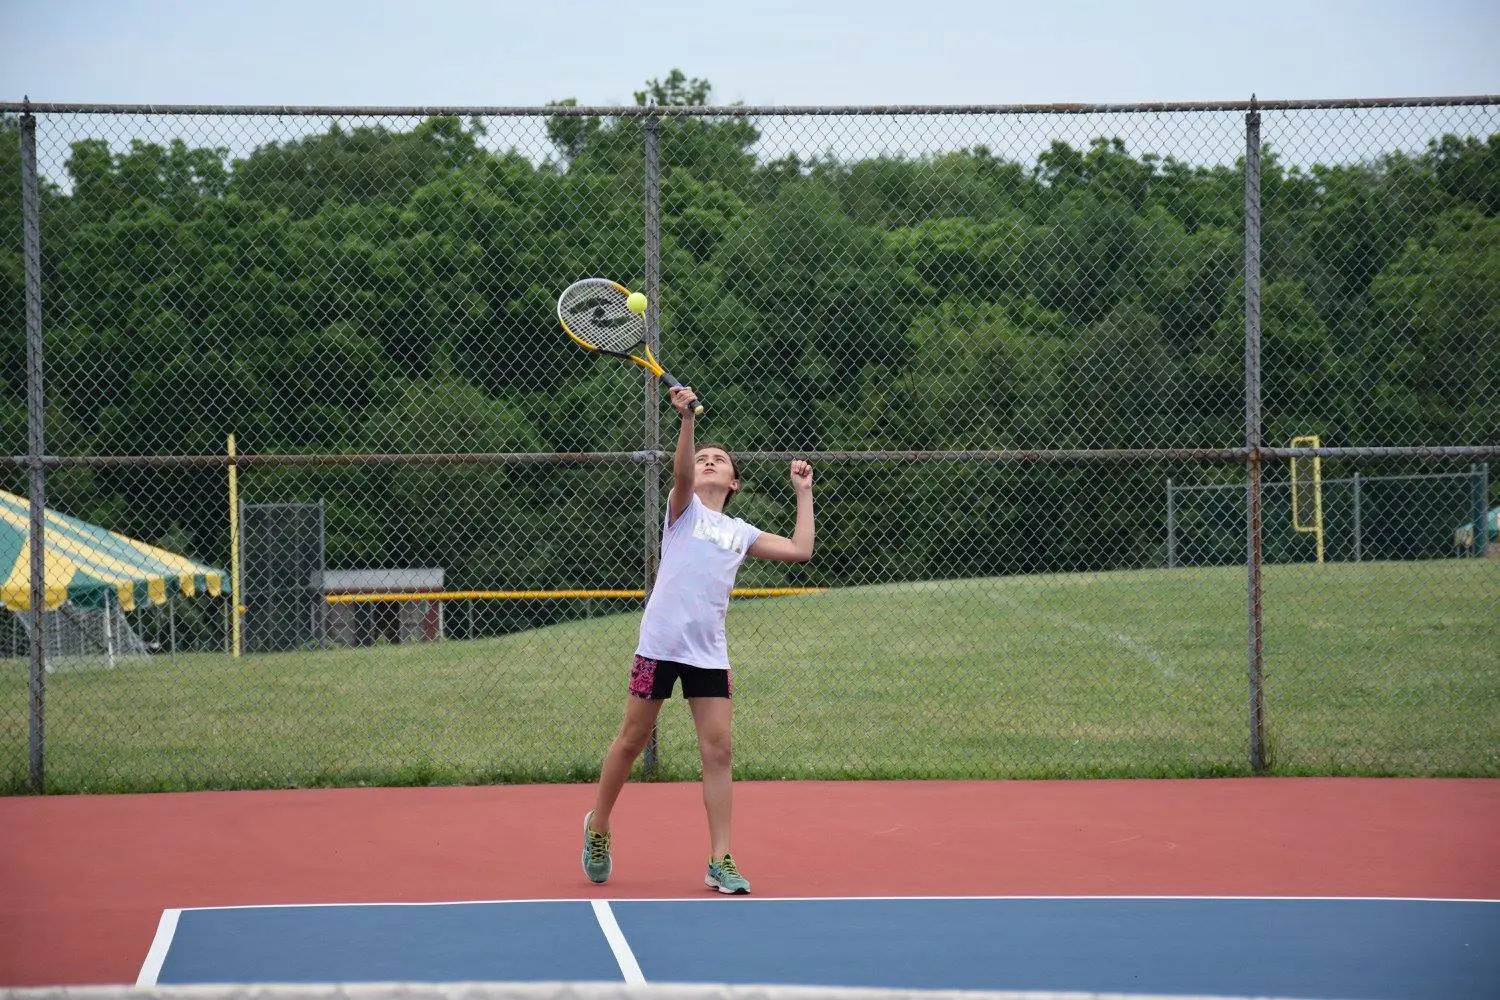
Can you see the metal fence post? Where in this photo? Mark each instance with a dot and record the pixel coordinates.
(1358, 516)
(1253, 440)
(321, 597)
(35, 449)
(236, 623)
(1171, 528)
(652, 444)
(1481, 490)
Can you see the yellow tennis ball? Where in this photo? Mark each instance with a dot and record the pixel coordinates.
(636, 303)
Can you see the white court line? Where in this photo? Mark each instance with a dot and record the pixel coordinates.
(629, 968)
(1141, 649)
(166, 929)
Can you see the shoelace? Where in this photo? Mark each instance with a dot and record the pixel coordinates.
(598, 847)
(726, 866)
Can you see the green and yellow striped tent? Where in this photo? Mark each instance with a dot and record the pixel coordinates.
(90, 566)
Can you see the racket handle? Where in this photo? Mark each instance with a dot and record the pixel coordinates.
(671, 380)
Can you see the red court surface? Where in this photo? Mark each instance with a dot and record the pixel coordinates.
(84, 879)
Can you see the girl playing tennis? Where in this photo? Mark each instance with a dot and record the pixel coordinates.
(682, 636)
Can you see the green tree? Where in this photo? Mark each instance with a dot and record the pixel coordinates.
(829, 297)
(1468, 169)
(360, 165)
(571, 134)
(175, 177)
(715, 149)
(677, 91)
(1439, 304)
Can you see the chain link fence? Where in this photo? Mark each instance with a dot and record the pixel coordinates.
(1049, 365)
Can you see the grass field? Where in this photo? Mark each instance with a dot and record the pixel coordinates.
(1379, 669)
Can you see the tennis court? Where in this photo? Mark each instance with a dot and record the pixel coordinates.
(1282, 887)
(1169, 945)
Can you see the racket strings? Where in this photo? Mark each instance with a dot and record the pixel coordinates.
(598, 316)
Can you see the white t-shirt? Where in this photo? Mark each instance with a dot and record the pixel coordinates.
(701, 552)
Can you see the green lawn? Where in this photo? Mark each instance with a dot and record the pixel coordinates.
(1388, 668)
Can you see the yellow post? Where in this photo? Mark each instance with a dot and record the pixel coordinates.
(1316, 527)
(236, 608)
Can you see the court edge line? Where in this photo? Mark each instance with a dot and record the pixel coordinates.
(629, 967)
(156, 956)
(835, 899)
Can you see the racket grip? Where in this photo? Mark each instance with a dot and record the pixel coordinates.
(671, 380)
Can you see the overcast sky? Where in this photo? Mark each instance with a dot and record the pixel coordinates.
(467, 52)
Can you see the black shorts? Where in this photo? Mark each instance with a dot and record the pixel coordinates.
(654, 679)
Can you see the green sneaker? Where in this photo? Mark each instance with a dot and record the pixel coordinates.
(725, 876)
(596, 863)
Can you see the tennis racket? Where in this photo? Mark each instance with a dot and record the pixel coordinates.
(594, 315)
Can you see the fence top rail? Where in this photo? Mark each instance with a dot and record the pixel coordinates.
(27, 106)
(621, 457)
(1326, 481)
(644, 456)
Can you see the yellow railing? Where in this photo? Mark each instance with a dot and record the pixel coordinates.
(546, 595)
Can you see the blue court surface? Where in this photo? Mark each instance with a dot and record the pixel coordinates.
(1283, 947)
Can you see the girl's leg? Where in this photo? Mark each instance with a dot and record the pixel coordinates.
(640, 717)
(712, 718)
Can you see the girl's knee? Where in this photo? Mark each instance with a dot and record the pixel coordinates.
(716, 752)
(632, 740)
(628, 746)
